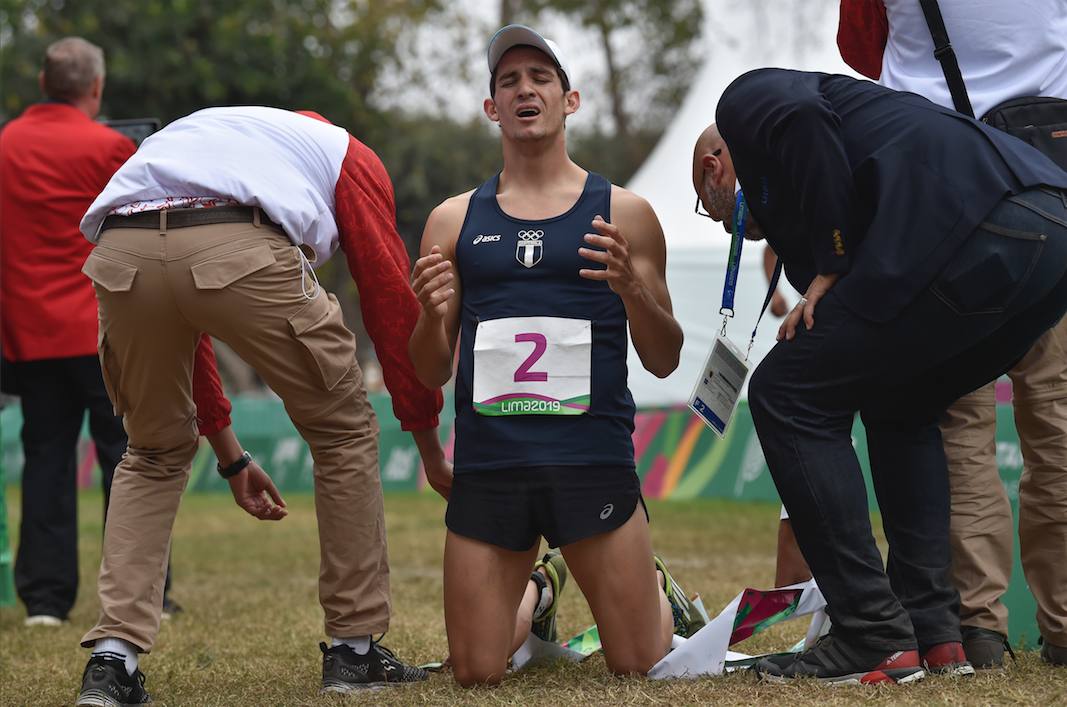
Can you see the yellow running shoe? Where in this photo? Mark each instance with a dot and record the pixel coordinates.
(555, 568)
(687, 619)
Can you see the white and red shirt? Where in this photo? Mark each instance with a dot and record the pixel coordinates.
(1005, 49)
(321, 185)
(283, 162)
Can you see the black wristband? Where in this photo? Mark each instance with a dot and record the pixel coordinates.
(237, 467)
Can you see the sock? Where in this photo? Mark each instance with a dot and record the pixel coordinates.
(119, 650)
(360, 644)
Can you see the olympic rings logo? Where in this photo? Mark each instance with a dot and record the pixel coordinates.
(531, 235)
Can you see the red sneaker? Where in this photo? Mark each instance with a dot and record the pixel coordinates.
(947, 659)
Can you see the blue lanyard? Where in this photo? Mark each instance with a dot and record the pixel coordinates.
(733, 265)
(766, 301)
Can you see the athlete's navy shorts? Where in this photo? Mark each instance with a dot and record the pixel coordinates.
(513, 508)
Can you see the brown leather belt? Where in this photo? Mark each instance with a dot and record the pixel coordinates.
(183, 218)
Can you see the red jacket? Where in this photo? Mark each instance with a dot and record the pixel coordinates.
(54, 160)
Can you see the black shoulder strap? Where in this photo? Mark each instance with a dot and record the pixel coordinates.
(943, 53)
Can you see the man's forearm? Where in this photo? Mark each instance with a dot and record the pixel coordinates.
(429, 446)
(656, 334)
(430, 352)
(226, 446)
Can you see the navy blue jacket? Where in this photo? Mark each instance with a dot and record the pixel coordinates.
(845, 176)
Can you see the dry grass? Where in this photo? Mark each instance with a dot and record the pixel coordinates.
(252, 621)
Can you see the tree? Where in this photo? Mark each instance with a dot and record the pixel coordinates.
(650, 51)
(167, 58)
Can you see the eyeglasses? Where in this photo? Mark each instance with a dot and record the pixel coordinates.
(699, 205)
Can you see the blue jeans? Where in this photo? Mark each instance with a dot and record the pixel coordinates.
(1004, 287)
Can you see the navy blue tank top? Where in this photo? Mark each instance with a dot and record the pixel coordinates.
(513, 267)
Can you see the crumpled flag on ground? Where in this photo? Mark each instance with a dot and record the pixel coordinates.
(706, 652)
(751, 611)
(575, 649)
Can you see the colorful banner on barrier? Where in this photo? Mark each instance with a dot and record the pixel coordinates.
(678, 458)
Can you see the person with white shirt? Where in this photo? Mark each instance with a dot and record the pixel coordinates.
(213, 226)
(1005, 51)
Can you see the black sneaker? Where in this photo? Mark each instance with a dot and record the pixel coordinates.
(344, 670)
(1053, 654)
(832, 662)
(984, 648)
(105, 683)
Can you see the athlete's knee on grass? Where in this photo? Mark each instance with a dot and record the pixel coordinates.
(472, 672)
(634, 661)
(635, 656)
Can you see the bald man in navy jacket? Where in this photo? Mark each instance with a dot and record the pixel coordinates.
(932, 251)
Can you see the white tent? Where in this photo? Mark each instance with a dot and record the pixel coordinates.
(740, 36)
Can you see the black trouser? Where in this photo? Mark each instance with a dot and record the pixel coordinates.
(55, 394)
(1004, 288)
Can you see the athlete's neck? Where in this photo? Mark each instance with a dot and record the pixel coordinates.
(535, 192)
(537, 164)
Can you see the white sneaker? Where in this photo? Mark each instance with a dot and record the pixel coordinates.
(42, 620)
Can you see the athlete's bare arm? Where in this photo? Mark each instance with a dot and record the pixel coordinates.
(436, 284)
(635, 268)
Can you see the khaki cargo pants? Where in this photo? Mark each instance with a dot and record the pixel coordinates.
(245, 285)
(981, 531)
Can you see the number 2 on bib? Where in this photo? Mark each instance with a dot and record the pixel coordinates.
(524, 374)
(505, 380)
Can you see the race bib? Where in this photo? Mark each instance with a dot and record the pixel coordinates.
(532, 366)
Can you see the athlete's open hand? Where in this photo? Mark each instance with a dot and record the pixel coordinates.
(618, 271)
(431, 280)
(254, 491)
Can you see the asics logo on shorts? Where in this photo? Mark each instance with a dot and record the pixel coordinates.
(607, 511)
(486, 239)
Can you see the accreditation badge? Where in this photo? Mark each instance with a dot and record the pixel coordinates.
(718, 388)
(532, 366)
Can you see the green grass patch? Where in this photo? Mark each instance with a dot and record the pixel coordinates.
(252, 620)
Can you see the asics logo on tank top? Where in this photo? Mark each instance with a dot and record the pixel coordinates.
(530, 247)
(486, 239)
